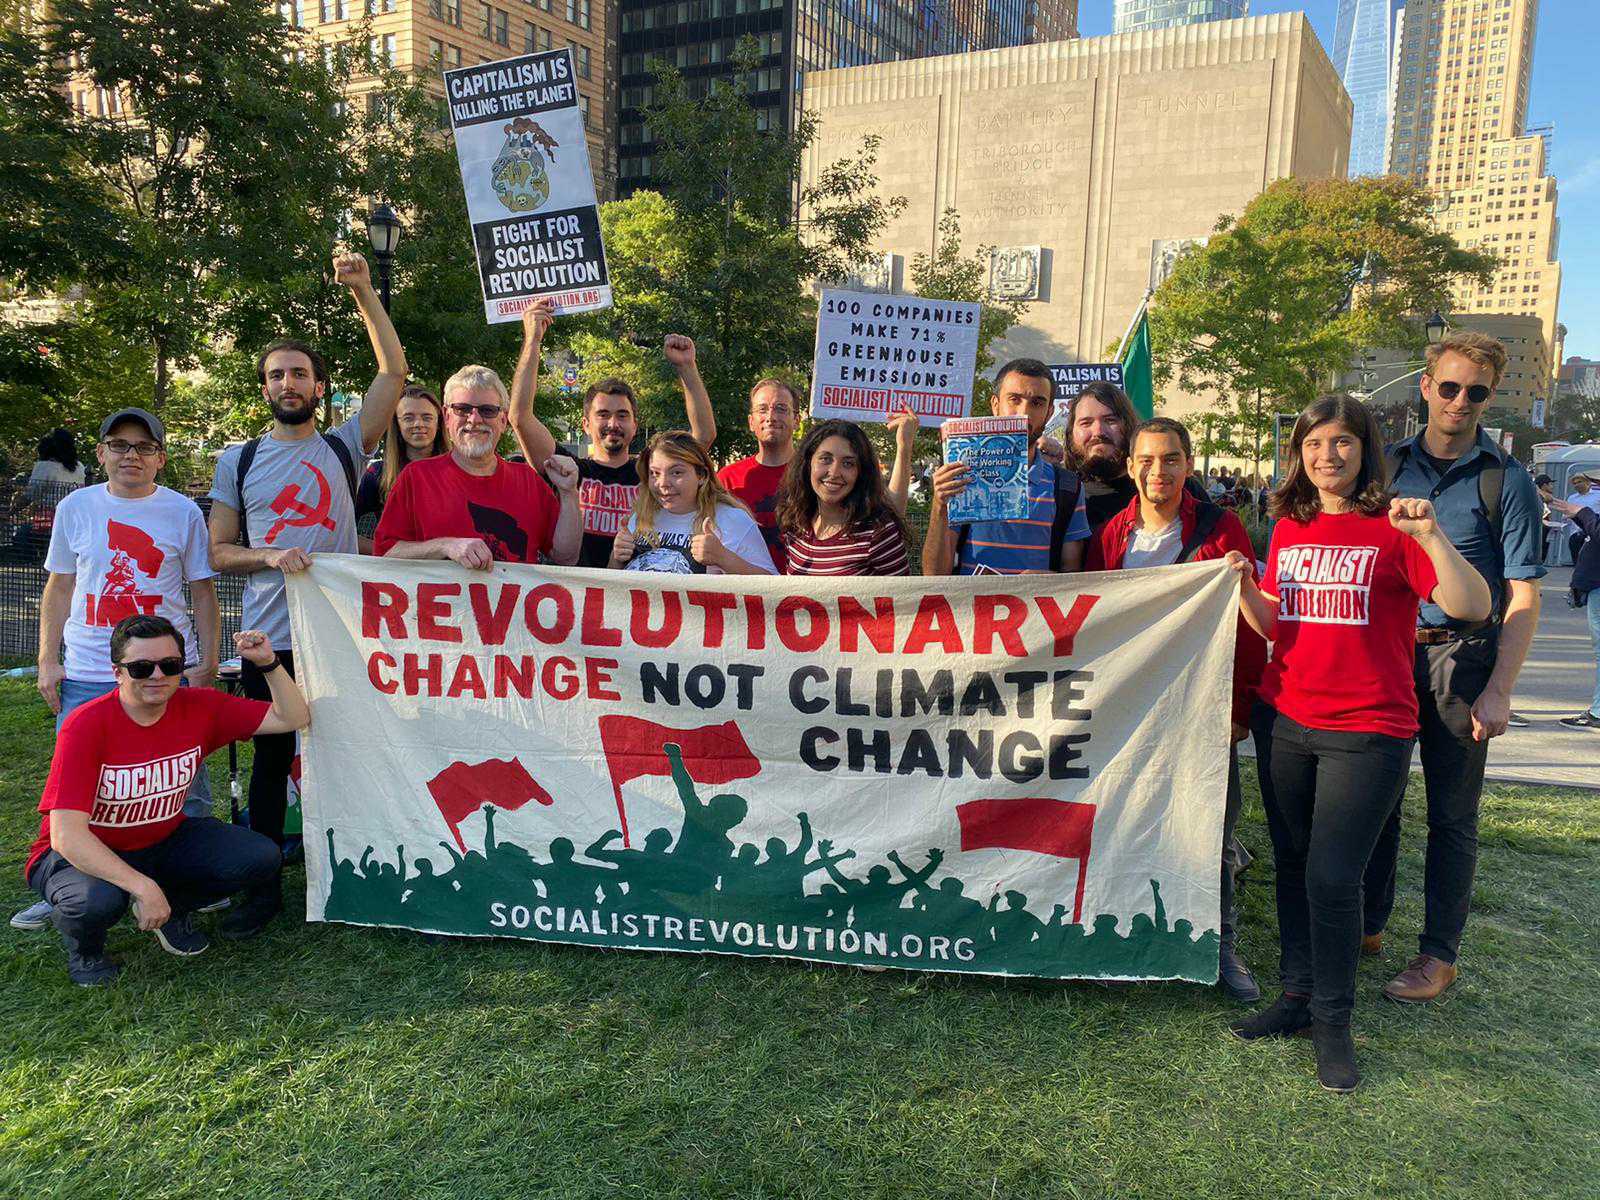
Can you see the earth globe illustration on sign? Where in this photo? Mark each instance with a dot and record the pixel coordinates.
(520, 179)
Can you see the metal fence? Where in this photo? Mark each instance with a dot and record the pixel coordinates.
(27, 515)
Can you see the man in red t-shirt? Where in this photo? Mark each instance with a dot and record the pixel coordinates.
(774, 412)
(113, 830)
(472, 506)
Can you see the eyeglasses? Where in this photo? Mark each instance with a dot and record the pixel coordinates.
(117, 447)
(143, 668)
(487, 411)
(1449, 389)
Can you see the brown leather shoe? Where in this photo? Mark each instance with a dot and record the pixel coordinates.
(1425, 978)
(1372, 944)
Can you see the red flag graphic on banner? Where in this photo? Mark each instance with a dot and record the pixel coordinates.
(461, 789)
(712, 754)
(136, 544)
(1063, 828)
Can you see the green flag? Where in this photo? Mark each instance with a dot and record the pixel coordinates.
(1136, 378)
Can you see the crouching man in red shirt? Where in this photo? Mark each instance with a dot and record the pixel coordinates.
(1162, 525)
(114, 832)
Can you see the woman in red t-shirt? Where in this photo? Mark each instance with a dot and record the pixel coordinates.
(1347, 569)
(834, 511)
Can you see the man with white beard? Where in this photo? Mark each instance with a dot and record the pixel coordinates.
(473, 507)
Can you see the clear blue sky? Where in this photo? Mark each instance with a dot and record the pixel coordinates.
(1563, 94)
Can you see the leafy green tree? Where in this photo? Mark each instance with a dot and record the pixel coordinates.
(223, 131)
(1285, 294)
(56, 222)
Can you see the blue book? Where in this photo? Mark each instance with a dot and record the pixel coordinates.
(996, 450)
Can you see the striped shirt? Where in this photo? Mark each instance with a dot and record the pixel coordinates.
(880, 550)
(1012, 547)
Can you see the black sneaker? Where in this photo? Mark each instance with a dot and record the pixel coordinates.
(92, 970)
(1284, 1017)
(1336, 1057)
(1235, 978)
(1584, 720)
(179, 936)
(254, 911)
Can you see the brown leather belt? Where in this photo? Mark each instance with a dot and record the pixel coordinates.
(1428, 636)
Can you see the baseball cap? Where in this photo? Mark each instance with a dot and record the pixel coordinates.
(149, 420)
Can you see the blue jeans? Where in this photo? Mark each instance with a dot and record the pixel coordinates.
(1594, 637)
(76, 692)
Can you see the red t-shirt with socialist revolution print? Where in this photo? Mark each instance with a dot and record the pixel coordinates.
(131, 779)
(513, 510)
(1348, 589)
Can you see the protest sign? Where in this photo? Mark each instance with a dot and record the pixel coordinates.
(1068, 380)
(877, 354)
(995, 450)
(1016, 775)
(530, 194)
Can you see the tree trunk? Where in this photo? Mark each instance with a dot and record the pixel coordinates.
(1258, 434)
(162, 376)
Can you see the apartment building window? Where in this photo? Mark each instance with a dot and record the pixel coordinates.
(583, 107)
(435, 52)
(502, 27)
(580, 55)
(455, 56)
(488, 21)
(545, 41)
(579, 12)
(529, 35)
(332, 10)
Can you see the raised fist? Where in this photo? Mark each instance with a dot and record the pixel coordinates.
(351, 270)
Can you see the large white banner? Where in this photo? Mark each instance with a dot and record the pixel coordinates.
(1008, 775)
(524, 162)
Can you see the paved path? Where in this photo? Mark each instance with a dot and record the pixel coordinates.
(1557, 681)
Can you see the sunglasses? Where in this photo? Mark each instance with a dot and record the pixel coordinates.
(143, 668)
(1449, 389)
(487, 411)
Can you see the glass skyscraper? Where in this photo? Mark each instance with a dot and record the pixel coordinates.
(1363, 54)
(1134, 15)
(795, 36)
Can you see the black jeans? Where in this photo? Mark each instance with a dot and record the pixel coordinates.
(1230, 822)
(1327, 796)
(274, 756)
(1449, 678)
(202, 861)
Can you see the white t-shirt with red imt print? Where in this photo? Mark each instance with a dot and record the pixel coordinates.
(132, 779)
(129, 557)
(1348, 589)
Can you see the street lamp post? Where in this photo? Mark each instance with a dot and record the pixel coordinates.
(383, 229)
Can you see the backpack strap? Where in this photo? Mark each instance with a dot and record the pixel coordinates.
(1068, 488)
(247, 455)
(1206, 518)
(1393, 460)
(342, 453)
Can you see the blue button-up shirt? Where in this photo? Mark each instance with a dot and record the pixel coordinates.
(1459, 508)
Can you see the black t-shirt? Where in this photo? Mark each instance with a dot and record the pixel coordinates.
(605, 495)
(1102, 501)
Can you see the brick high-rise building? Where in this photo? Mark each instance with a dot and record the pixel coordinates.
(1462, 71)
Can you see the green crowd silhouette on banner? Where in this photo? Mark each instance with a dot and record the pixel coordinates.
(760, 904)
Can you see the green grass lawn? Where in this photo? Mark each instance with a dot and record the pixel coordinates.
(326, 1061)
